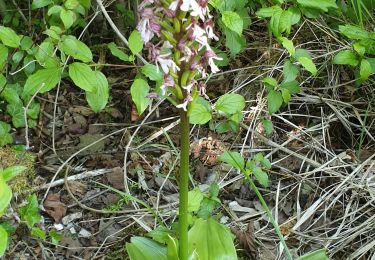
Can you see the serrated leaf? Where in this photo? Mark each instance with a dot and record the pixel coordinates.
(67, 17)
(150, 71)
(234, 159)
(30, 213)
(40, 3)
(209, 240)
(275, 100)
(98, 98)
(345, 58)
(83, 76)
(230, 103)
(232, 21)
(9, 37)
(365, 70)
(139, 91)
(135, 42)
(199, 111)
(117, 52)
(260, 175)
(3, 240)
(309, 65)
(43, 80)
(70, 45)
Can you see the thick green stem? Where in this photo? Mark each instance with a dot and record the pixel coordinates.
(184, 186)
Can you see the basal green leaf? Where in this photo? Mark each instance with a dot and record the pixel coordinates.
(30, 213)
(9, 37)
(230, 103)
(195, 199)
(117, 52)
(139, 91)
(309, 65)
(75, 48)
(11, 172)
(365, 70)
(141, 248)
(210, 240)
(151, 72)
(232, 21)
(275, 100)
(83, 76)
(199, 111)
(42, 81)
(234, 159)
(135, 42)
(5, 195)
(345, 58)
(3, 240)
(316, 255)
(98, 98)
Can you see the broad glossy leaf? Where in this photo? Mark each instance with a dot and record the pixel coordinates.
(3, 241)
(83, 76)
(75, 48)
(11, 172)
(210, 240)
(5, 195)
(98, 98)
(135, 42)
(275, 100)
(139, 91)
(42, 81)
(345, 58)
(141, 248)
(234, 159)
(230, 103)
(9, 37)
(232, 21)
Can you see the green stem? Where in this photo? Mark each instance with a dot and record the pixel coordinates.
(184, 186)
(269, 213)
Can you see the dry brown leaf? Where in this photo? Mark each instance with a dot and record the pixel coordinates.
(54, 207)
(247, 240)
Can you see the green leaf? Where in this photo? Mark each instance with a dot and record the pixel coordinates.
(288, 44)
(296, 15)
(5, 137)
(75, 48)
(3, 56)
(268, 11)
(195, 199)
(150, 71)
(45, 54)
(315, 255)
(209, 240)
(3, 241)
(232, 21)
(230, 103)
(234, 42)
(33, 111)
(359, 48)
(5, 195)
(85, 3)
(290, 71)
(43, 80)
(83, 76)
(11, 96)
(9, 37)
(71, 4)
(309, 65)
(286, 95)
(55, 237)
(141, 248)
(98, 98)
(40, 3)
(365, 70)
(38, 233)
(268, 126)
(117, 52)
(234, 159)
(274, 24)
(345, 58)
(139, 91)
(30, 213)
(56, 9)
(199, 111)
(292, 86)
(67, 17)
(260, 175)
(135, 42)
(11, 172)
(302, 53)
(354, 32)
(17, 113)
(318, 4)
(275, 100)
